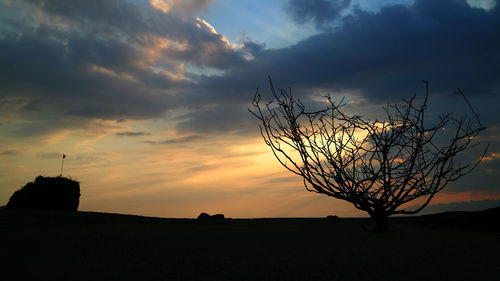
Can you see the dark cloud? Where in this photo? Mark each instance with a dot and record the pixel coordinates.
(104, 59)
(320, 12)
(282, 180)
(132, 134)
(75, 70)
(387, 53)
(202, 168)
(381, 57)
(9, 152)
(216, 119)
(179, 140)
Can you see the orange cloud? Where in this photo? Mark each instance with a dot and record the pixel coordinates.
(490, 157)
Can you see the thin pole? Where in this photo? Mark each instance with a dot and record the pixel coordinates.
(62, 163)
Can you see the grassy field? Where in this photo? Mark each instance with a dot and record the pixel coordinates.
(96, 246)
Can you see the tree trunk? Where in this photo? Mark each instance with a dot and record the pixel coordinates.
(381, 219)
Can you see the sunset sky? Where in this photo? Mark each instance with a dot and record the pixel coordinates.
(149, 98)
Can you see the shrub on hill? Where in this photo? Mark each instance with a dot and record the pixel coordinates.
(48, 193)
(205, 217)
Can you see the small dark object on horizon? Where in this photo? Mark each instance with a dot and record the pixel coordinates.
(205, 216)
(47, 193)
(333, 218)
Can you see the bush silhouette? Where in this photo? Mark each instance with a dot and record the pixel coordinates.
(205, 216)
(48, 193)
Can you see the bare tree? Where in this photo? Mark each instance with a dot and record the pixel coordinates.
(378, 166)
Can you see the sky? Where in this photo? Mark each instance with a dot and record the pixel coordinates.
(149, 99)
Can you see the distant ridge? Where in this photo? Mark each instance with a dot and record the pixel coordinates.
(485, 220)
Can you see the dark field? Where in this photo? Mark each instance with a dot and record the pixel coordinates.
(96, 246)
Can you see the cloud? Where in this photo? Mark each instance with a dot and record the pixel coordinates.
(116, 60)
(387, 53)
(282, 180)
(216, 119)
(378, 57)
(104, 59)
(180, 140)
(132, 134)
(202, 168)
(50, 155)
(484, 4)
(320, 12)
(180, 6)
(9, 152)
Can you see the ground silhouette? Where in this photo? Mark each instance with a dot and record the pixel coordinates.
(48, 193)
(59, 245)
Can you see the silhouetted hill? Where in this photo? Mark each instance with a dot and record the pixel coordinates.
(486, 220)
(47, 193)
(58, 217)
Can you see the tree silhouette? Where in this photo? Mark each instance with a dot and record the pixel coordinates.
(378, 166)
